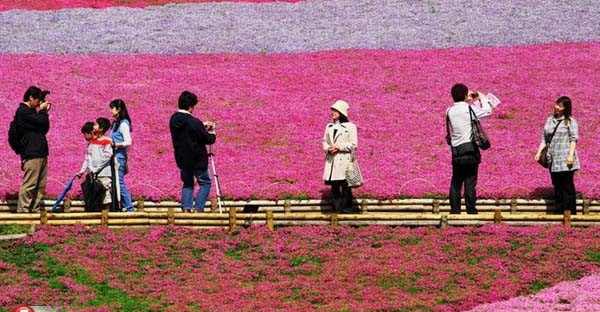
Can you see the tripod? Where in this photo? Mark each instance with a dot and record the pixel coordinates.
(211, 157)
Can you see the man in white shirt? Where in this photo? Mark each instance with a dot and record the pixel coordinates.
(465, 154)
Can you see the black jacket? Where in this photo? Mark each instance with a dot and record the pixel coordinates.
(34, 126)
(189, 139)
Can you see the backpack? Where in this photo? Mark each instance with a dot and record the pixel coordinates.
(15, 137)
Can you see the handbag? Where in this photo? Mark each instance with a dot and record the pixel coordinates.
(353, 175)
(478, 135)
(543, 161)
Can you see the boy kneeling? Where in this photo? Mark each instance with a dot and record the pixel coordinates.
(97, 162)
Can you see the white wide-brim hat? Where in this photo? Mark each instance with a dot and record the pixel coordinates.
(341, 106)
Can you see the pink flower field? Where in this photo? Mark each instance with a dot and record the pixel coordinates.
(98, 4)
(292, 269)
(574, 296)
(271, 111)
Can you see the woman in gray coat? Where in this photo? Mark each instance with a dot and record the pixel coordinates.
(561, 153)
(339, 143)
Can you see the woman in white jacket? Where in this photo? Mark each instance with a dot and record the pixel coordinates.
(339, 143)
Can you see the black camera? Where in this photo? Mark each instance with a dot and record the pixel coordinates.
(43, 96)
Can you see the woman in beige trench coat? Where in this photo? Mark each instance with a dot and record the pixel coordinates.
(339, 143)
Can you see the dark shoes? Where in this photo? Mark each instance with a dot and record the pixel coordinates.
(473, 211)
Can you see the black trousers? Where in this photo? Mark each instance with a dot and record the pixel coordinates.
(565, 197)
(463, 175)
(341, 196)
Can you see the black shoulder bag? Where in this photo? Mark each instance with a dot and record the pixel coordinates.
(478, 136)
(464, 154)
(543, 161)
(93, 190)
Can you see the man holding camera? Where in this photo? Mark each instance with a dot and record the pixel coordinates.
(190, 137)
(33, 124)
(465, 153)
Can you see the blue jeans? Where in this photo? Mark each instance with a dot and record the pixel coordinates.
(126, 202)
(187, 192)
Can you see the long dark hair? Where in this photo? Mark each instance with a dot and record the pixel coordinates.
(123, 113)
(565, 101)
(342, 118)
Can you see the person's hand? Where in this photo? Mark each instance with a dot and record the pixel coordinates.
(473, 96)
(79, 175)
(46, 106)
(333, 150)
(209, 125)
(570, 160)
(537, 156)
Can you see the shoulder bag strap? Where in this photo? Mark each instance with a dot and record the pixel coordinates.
(97, 172)
(448, 137)
(553, 132)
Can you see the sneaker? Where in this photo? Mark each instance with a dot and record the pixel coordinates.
(474, 211)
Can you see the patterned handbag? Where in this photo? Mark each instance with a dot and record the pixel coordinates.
(353, 175)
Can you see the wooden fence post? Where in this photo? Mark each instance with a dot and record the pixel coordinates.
(67, 205)
(497, 216)
(287, 206)
(567, 218)
(232, 218)
(213, 205)
(140, 205)
(586, 206)
(171, 216)
(43, 216)
(363, 206)
(334, 219)
(436, 206)
(270, 225)
(513, 205)
(444, 221)
(104, 217)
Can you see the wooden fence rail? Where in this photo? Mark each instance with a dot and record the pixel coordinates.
(411, 212)
(420, 205)
(233, 219)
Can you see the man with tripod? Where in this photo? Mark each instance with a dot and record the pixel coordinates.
(190, 137)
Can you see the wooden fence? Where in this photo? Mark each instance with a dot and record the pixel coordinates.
(411, 212)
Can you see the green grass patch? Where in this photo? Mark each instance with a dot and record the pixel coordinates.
(538, 285)
(50, 270)
(197, 253)
(237, 252)
(106, 295)
(9, 229)
(296, 295)
(474, 260)
(405, 282)
(23, 256)
(300, 260)
(410, 241)
(592, 255)
(448, 248)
